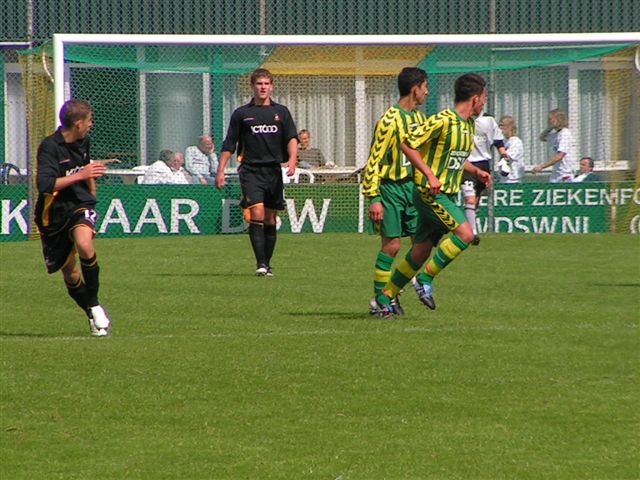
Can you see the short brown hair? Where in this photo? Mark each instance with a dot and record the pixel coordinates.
(261, 73)
(72, 111)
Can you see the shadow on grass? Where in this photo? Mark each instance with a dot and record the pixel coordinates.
(632, 285)
(343, 315)
(203, 274)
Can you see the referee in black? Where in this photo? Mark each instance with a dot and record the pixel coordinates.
(65, 211)
(265, 136)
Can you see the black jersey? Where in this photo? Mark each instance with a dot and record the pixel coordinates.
(261, 133)
(56, 158)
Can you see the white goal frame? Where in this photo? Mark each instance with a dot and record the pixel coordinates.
(61, 40)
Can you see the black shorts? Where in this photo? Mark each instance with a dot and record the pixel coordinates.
(58, 247)
(470, 181)
(262, 184)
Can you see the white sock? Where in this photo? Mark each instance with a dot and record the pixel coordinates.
(470, 213)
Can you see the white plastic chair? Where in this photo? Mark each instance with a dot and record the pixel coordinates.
(141, 169)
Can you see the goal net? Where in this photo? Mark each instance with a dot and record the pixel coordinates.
(155, 93)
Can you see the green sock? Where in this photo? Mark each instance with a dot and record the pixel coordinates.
(382, 271)
(447, 251)
(402, 275)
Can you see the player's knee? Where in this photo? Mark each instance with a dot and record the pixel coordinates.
(85, 248)
(257, 213)
(83, 241)
(469, 199)
(392, 247)
(465, 233)
(420, 252)
(270, 217)
(256, 217)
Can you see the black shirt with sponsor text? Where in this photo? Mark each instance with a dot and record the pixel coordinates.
(56, 158)
(261, 133)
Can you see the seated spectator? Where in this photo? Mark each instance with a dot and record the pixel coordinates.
(202, 161)
(515, 151)
(309, 157)
(167, 170)
(585, 174)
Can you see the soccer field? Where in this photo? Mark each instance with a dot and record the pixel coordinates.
(527, 369)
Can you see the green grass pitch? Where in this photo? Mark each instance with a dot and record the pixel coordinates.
(527, 369)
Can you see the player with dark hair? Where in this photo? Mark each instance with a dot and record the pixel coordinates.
(65, 213)
(438, 149)
(265, 136)
(388, 177)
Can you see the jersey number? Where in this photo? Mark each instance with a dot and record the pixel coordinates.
(91, 215)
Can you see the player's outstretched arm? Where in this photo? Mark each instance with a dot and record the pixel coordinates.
(107, 161)
(90, 171)
(556, 158)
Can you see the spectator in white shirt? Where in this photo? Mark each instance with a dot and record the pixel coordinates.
(515, 151)
(585, 174)
(202, 161)
(564, 145)
(167, 170)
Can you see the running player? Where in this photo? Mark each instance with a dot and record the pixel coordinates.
(488, 135)
(388, 177)
(438, 149)
(265, 136)
(65, 213)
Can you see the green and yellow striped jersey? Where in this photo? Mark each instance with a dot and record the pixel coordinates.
(444, 142)
(386, 160)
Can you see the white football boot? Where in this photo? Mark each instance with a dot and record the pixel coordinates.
(99, 322)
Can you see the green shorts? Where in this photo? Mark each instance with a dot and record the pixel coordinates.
(437, 215)
(400, 215)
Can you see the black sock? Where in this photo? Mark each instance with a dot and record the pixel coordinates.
(91, 274)
(78, 292)
(256, 234)
(270, 237)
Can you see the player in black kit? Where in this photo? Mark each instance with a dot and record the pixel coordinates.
(65, 211)
(265, 136)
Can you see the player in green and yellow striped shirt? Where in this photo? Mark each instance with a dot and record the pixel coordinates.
(438, 149)
(388, 176)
